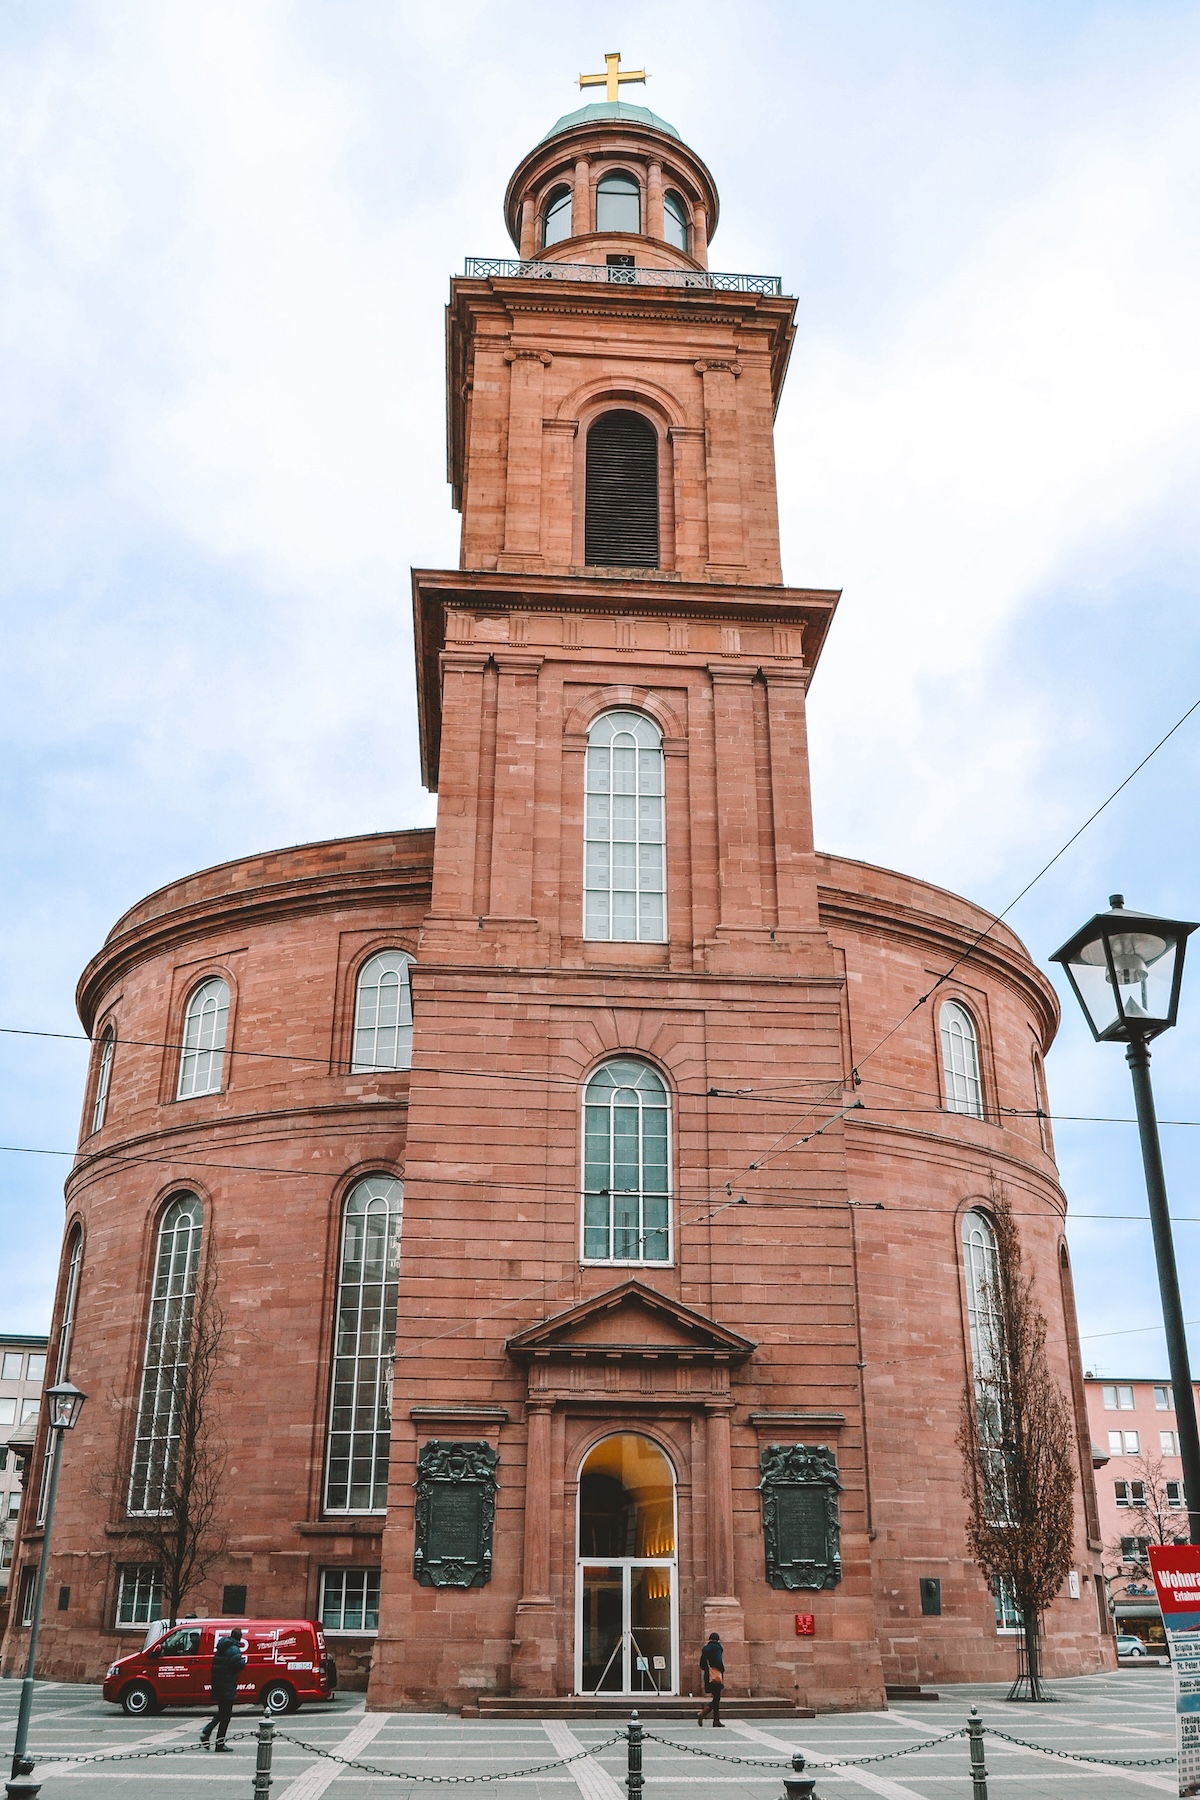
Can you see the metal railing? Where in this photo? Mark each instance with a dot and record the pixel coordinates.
(509, 268)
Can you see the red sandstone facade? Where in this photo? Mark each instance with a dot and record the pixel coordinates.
(830, 1311)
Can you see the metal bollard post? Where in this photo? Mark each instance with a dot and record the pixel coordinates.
(266, 1745)
(22, 1785)
(634, 1780)
(978, 1771)
(799, 1786)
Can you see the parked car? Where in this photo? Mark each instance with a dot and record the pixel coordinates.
(1128, 1645)
(286, 1663)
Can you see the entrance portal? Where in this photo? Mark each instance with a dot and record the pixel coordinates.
(626, 1603)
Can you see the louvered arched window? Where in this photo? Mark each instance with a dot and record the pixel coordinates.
(621, 501)
(960, 1061)
(204, 1026)
(675, 220)
(103, 1078)
(556, 217)
(383, 1022)
(618, 203)
(164, 1399)
(360, 1399)
(626, 1174)
(624, 850)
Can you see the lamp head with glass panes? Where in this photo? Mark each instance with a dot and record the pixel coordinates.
(1125, 968)
(66, 1403)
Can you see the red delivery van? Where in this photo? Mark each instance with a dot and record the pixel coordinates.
(286, 1664)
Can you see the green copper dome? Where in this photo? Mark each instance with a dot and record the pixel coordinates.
(611, 109)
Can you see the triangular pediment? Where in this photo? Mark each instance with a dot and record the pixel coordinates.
(631, 1320)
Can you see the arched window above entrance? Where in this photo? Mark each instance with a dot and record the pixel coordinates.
(627, 1499)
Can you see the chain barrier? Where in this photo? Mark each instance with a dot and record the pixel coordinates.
(1109, 1762)
(137, 1755)
(764, 1762)
(349, 1762)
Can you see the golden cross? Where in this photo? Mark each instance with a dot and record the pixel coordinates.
(613, 75)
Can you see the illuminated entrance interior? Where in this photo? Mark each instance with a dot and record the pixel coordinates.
(625, 1609)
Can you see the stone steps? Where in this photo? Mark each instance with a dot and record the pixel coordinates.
(618, 1708)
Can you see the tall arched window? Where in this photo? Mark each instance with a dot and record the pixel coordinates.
(618, 203)
(1043, 1104)
(62, 1362)
(103, 1077)
(164, 1396)
(360, 1399)
(626, 1172)
(624, 850)
(985, 1323)
(556, 217)
(204, 1025)
(675, 220)
(383, 1022)
(621, 492)
(960, 1061)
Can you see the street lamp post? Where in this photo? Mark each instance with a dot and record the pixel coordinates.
(66, 1404)
(1126, 969)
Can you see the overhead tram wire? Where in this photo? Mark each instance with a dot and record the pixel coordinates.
(855, 1078)
(547, 1079)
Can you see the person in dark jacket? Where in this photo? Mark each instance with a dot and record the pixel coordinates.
(712, 1667)
(227, 1664)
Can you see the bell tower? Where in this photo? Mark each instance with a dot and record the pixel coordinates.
(623, 934)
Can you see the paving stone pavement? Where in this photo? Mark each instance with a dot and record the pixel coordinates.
(1128, 1714)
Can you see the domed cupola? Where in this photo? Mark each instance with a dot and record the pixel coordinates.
(613, 183)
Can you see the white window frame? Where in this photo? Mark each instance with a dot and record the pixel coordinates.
(108, 1044)
(165, 1359)
(630, 839)
(383, 1019)
(1007, 1612)
(369, 1574)
(205, 1028)
(360, 1384)
(1174, 1494)
(641, 1193)
(26, 1592)
(139, 1595)
(961, 1077)
(1168, 1443)
(1164, 1399)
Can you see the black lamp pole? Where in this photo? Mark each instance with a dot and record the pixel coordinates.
(1138, 1057)
(1126, 969)
(66, 1404)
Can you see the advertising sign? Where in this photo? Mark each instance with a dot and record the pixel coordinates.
(1176, 1570)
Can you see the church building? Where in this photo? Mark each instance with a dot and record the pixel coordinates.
(594, 1227)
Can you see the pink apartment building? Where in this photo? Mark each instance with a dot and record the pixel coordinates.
(1139, 1487)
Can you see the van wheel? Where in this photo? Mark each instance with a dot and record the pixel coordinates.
(279, 1697)
(139, 1699)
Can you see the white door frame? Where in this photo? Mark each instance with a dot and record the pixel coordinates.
(626, 1564)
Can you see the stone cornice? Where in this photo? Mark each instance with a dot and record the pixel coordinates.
(214, 900)
(1000, 955)
(147, 1148)
(435, 590)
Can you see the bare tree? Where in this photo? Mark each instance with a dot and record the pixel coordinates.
(1151, 1519)
(180, 1532)
(1018, 1449)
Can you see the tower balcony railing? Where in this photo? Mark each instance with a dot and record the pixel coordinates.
(509, 268)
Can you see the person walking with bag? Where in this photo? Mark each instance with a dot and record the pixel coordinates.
(712, 1667)
(227, 1664)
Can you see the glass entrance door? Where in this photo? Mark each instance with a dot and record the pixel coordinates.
(625, 1599)
(626, 1628)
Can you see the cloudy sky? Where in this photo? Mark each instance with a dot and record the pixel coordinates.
(229, 230)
